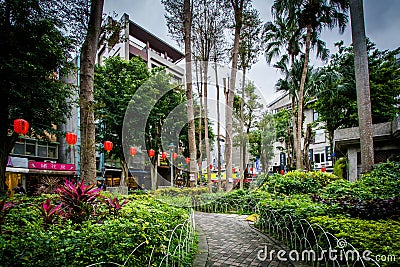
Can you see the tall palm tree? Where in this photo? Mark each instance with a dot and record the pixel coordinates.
(284, 33)
(362, 84)
(312, 16)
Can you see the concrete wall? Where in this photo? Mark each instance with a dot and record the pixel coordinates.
(386, 144)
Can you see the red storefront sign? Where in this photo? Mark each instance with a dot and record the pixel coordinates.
(51, 166)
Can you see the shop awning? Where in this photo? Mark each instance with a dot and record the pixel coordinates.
(26, 170)
(17, 170)
(52, 172)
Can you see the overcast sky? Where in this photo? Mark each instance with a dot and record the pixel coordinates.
(382, 21)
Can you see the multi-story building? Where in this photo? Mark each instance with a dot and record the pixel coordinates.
(319, 149)
(134, 40)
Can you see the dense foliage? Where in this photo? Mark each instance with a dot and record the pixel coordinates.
(115, 83)
(335, 84)
(132, 230)
(365, 213)
(297, 182)
(34, 55)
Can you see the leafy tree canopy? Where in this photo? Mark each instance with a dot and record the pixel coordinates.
(33, 55)
(115, 84)
(337, 100)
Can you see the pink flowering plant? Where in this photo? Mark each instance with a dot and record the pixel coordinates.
(114, 206)
(49, 212)
(78, 201)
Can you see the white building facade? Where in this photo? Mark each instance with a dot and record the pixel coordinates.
(319, 151)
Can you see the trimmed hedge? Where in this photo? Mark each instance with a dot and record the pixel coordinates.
(298, 182)
(24, 240)
(380, 237)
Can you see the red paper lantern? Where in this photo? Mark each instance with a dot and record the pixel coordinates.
(323, 169)
(71, 138)
(164, 155)
(151, 153)
(132, 151)
(187, 160)
(174, 155)
(108, 146)
(282, 172)
(21, 127)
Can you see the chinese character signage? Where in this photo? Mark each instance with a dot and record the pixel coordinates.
(51, 166)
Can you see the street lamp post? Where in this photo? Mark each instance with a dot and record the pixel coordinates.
(171, 150)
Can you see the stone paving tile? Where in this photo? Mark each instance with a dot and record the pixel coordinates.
(232, 242)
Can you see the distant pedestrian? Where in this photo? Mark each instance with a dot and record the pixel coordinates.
(19, 189)
(101, 185)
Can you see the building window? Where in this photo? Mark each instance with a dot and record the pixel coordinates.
(315, 116)
(31, 148)
(42, 151)
(319, 157)
(319, 136)
(19, 149)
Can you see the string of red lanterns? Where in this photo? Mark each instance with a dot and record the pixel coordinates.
(174, 155)
(164, 155)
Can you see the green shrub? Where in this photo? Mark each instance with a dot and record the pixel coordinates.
(172, 191)
(298, 206)
(340, 167)
(142, 220)
(297, 182)
(382, 182)
(380, 237)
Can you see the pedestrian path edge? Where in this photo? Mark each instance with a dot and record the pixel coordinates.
(202, 253)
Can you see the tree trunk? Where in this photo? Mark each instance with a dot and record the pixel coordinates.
(242, 139)
(87, 62)
(294, 122)
(200, 91)
(231, 93)
(206, 139)
(218, 129)
(7, 142)
(362, 85)
(154, 172)
(307, 141)
(299, 154)
(187, 25)
(124, 177)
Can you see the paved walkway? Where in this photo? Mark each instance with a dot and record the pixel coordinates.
(228, 240)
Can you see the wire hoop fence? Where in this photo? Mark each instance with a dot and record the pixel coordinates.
(307, 242)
